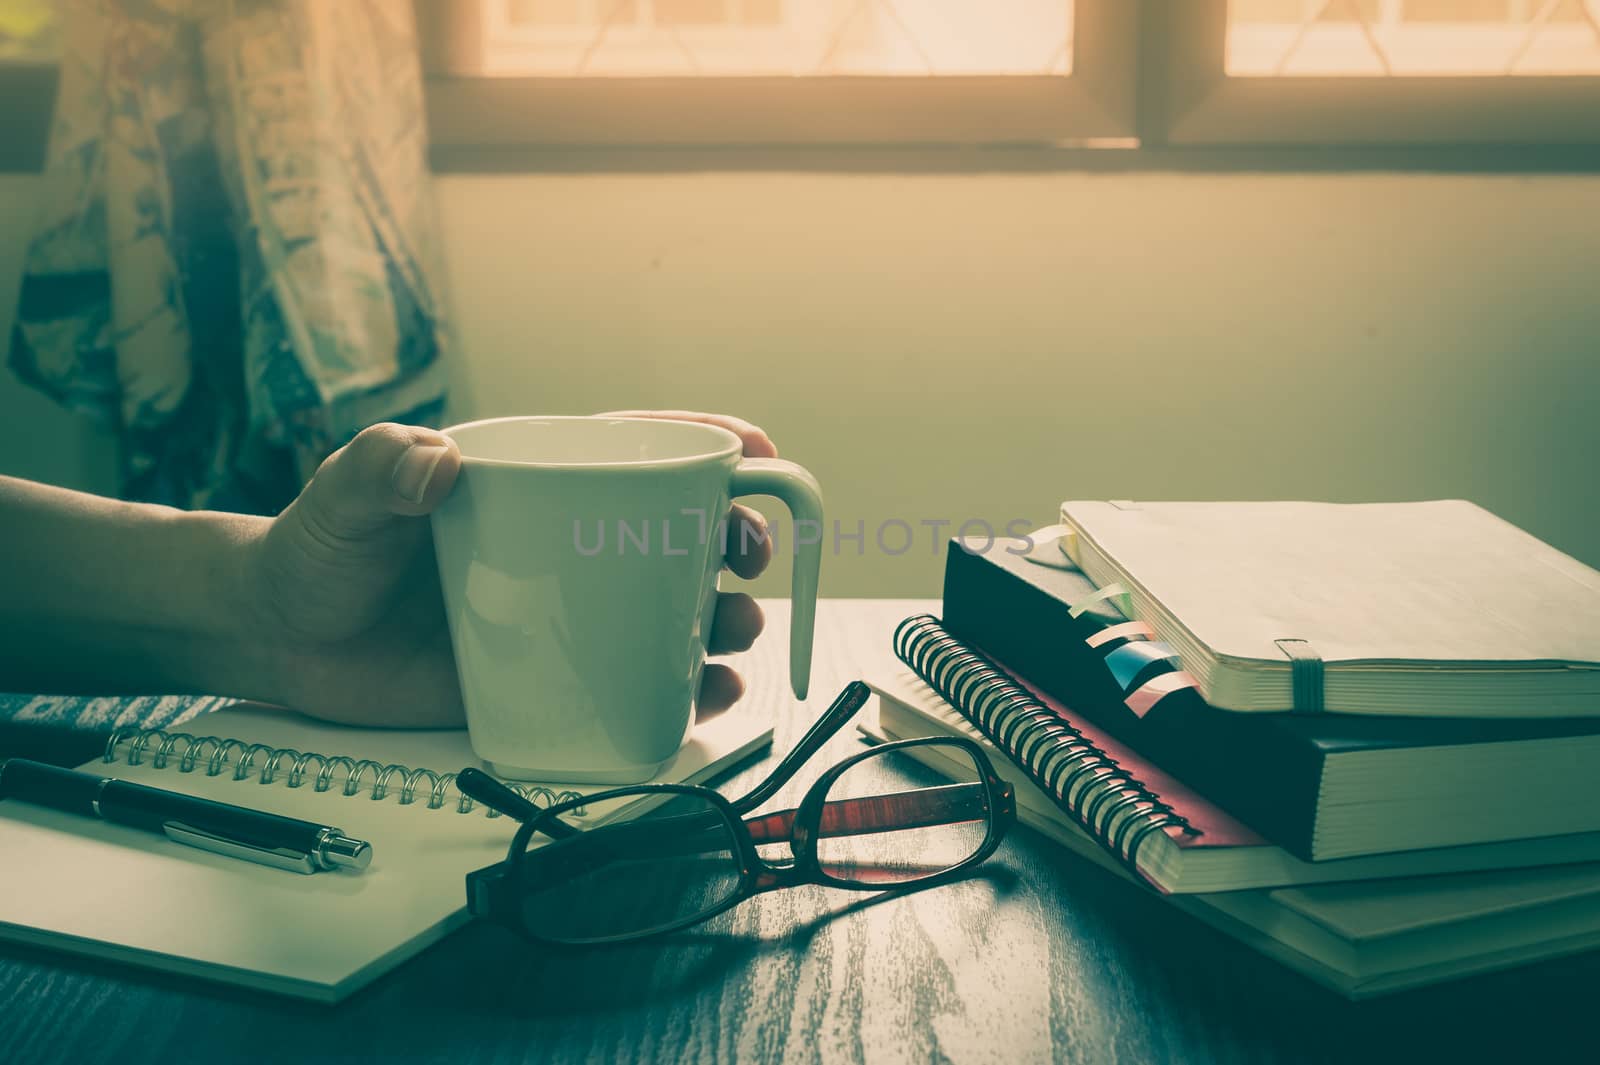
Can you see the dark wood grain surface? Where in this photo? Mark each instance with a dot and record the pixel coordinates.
(1041, 958)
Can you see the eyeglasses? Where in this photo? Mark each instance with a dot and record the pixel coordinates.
(680, 854)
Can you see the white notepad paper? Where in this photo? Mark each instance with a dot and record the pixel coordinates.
(114, 892)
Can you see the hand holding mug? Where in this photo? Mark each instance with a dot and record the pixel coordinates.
(344, 589)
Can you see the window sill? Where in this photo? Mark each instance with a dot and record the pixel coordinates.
(30, 91)
(1019, 158)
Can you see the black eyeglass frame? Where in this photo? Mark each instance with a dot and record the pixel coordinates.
(495, 892)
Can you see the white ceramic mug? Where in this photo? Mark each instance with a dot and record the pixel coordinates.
(579, 560)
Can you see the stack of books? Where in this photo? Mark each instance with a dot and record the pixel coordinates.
(1364, 739)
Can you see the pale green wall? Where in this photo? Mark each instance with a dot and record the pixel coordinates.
(946, 347)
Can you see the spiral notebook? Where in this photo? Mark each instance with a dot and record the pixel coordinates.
(1074, 781)
(112, 892)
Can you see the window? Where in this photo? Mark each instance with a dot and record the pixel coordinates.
(1119, 72)
(772, 72)
(515, 82)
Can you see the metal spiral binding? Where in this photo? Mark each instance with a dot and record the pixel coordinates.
(268, 763)
(1108, 801)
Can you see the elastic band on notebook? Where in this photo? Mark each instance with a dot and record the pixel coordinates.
(1153, 691)
(1132, 659)
(1305, 667)
(1128, 630)
(1115, 594)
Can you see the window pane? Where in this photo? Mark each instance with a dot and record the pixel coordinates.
(624, 38)
(28, 30)
(548, 12)
(1397, 38)
(696, 13)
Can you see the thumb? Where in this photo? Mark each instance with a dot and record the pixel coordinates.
(388, 470)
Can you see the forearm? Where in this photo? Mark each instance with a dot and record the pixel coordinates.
(98, 595)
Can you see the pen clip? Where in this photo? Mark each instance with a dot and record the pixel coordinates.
(280, 858)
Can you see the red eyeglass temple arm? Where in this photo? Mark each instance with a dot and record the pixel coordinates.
(943, 805)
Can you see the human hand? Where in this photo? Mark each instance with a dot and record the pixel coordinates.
(348, 588)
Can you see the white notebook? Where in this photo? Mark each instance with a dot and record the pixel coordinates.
(1435, 608)
(114, 892)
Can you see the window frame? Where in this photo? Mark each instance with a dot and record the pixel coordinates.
(1147, 81)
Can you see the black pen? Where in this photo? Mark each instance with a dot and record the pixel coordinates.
(281, 842)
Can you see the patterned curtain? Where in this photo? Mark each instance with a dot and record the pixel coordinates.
(235, 262)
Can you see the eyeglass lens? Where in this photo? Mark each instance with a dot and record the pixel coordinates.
(875, 831)
(667, 866)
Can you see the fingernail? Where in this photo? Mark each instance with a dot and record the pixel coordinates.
(415, 469)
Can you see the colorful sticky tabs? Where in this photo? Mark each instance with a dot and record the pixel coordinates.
(1132, 659)
(1045, 549)
(1155, 689)
(1113, 593)
(1128, 630)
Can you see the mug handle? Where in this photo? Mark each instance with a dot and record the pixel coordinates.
(800, 493)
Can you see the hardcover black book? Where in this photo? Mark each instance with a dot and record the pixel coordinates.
(1320, 785)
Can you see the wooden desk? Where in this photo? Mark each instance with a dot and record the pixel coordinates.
(1045, 958)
